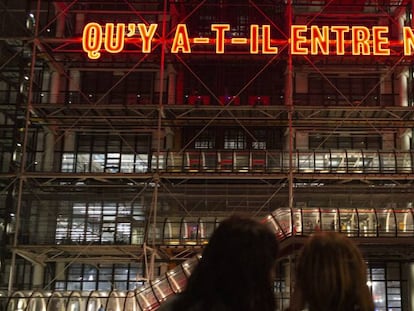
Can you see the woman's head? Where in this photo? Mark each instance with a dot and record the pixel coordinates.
(331, 275)
(237, 264)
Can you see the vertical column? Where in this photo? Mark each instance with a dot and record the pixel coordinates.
(74, 86)
(302, 140)
(410, 291)
(158, 87)
(158, 138)
(403, 78)
(171, 84)
(302, 89)
(44, 98)
(169, 138)
(48, 155)
(301, 83)
(38, 276)
(69, 144)
(80, 22)
(402, 87)
(179, 95)
(54, 87)
(290, 107)
(288, 272)
(404, 134)
(60, 19)
(60, 275)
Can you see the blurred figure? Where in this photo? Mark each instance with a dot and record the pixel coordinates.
(236, 270)
(331, 276)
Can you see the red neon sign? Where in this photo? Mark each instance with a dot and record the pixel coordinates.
(304, 40)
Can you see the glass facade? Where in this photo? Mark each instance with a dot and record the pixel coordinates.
(124, 142)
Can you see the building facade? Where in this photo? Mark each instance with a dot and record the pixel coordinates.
(129, 129)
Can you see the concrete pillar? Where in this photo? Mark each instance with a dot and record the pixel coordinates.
(158, 136)
(38, 276)
(60, 273)
(74, 82)
(45, 97)
(402, 87)
(69, 144)
(302, 140)
(54, 87)
(301, 82)
(60, 19)
(48, 155)
(80, 23)
(402, 90)
(286, 134)
(169, 139)
(405, 137)
(388, 141)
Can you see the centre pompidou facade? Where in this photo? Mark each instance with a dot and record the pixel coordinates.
(129, 129)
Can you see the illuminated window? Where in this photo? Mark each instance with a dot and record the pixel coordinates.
(206, 140)
(109, 154)
(259, 139)
(234, 139)
(386, 283)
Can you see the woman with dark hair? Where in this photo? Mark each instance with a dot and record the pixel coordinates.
(331, 276)
(235, 272)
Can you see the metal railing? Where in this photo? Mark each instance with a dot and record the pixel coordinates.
(342, 161)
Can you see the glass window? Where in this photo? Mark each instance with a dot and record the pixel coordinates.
(100, 222)
(234, 139)
(259, 139)
(108, 153)
(68, 162)
(321, 141)
(206, 140)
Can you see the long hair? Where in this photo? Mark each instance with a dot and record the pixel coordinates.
(235, 271)
(331, 276)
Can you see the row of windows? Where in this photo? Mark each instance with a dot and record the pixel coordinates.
(222, 80)
(387, 282)
(104, 277)
(327, 161)
(99, 223)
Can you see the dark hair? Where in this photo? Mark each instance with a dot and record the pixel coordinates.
(331, 276)
(235, 270)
